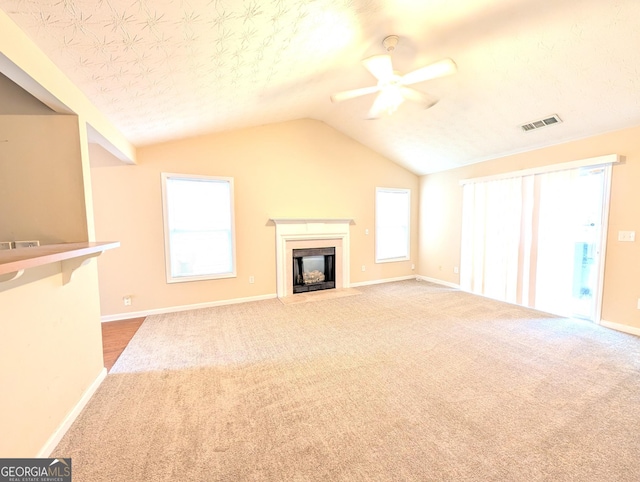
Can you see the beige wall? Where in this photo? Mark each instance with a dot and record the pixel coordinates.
(41, 179)
(50, 353)
(16, 100)
(295, 169)
(50, 339)
(441, 215)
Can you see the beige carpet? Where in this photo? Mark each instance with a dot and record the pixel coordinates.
(407, 381)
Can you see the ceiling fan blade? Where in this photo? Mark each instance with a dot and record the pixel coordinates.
(379, 66)
(350, 94)
(420, 97)
(437, 69)
(387, 101)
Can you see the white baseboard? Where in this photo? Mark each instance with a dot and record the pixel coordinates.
(210, 304)
(378, 281)
(438, 281)
(173, 309)
(632, 330)
(56, 436)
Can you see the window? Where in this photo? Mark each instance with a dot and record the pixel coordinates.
(198, 227)
(392, 224)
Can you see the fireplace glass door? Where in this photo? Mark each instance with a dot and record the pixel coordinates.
(313, 269)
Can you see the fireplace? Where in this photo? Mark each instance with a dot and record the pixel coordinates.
(293, 234)
(314, 269)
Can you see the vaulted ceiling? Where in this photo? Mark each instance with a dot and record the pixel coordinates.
(165, 69)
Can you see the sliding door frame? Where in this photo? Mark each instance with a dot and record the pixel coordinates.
(604, 234)
(606, 162)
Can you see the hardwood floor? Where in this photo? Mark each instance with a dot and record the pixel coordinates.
(115, 338)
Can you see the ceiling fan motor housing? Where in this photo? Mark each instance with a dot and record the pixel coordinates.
(390, 42)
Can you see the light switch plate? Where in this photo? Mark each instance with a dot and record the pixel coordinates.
(627, 236)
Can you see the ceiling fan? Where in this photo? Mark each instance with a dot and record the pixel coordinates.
(392, 87)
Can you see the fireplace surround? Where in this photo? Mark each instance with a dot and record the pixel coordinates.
(295, 233)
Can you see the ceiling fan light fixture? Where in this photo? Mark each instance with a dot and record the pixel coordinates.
(391, 98)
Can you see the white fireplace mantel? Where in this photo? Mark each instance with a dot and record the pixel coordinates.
(297, 231)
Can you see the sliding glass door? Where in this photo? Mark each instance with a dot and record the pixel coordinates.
(569, 239)
(537, 240)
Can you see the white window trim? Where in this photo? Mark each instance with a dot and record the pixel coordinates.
(402, 258)
(165, 216)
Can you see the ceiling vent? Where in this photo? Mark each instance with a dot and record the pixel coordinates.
(548, 121)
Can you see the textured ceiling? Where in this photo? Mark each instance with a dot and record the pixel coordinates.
(164, 69)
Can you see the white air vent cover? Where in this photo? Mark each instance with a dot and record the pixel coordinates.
(537, 124)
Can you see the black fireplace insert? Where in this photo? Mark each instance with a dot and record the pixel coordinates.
(314, 269)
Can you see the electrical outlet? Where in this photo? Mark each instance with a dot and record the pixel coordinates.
(639, 303)
(364, 268)
(413, 266)
(366, 231)
(456, 270)
(27, 244)
(251, 279)
(126, 300)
